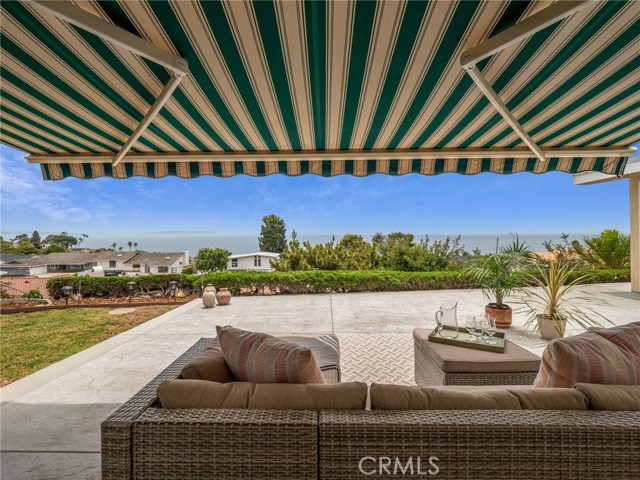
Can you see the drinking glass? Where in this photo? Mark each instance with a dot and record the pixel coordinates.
(489, 330)
(471, 326)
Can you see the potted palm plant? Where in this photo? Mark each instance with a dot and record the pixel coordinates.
(554, 302)
(499, 275)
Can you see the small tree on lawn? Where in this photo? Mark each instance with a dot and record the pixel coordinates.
(211, 259)
(273, 236)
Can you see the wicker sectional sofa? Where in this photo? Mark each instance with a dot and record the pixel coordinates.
(141, 440)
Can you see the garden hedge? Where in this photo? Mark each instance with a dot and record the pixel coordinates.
(297, 282)
(117, 286)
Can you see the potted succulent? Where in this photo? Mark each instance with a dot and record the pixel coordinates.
(554, 302)
(499, 275)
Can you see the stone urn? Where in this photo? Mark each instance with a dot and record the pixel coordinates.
(223, 296)
(209, 296)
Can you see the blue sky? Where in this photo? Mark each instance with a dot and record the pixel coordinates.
(449, 203)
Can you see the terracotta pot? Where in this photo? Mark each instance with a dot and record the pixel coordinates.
(549, 328)
(502, 315)
(209, 296)
(223, 296)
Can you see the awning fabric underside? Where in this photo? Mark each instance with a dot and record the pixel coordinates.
(316, 76)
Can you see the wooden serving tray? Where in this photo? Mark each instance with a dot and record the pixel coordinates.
(499, 337)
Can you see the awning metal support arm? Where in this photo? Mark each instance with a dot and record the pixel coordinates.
(536, 22)
(333, 155)
(493, 97)
(111, 33)
(520, 31)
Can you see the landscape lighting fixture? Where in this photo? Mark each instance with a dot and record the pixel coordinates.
(66, 290)
(173, 286)
(131, 285)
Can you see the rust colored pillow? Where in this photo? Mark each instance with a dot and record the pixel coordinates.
(587, 358)
(261, 358)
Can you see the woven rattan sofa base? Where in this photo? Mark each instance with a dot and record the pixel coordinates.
(428, 373)
(142, 441)
(480, 444)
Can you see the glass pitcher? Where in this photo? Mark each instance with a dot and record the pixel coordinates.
(447, 320)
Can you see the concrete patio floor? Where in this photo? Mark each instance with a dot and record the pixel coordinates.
(50, 420)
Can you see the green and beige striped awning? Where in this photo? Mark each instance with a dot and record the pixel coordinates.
(321, 87)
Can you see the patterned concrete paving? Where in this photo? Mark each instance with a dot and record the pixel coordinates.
(377, 358)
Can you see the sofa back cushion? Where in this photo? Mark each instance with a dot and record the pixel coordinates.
(202, 394)
(261, 358)
(396, 397)
(587, 358)
(611, 397)
(208, 365)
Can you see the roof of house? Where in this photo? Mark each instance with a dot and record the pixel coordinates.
(10, 257)
(261, 254)
(62, 258)
(111, 255)
(156, 259)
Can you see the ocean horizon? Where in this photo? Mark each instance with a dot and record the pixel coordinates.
(241, 244)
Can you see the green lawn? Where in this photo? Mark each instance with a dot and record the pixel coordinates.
(31, 341)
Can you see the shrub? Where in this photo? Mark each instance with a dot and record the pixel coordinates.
(33, 294)
(610, 249)
(117, 286)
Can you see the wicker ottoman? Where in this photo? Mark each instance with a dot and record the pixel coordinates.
(439, 364)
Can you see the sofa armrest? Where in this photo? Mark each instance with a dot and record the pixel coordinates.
(116, 430)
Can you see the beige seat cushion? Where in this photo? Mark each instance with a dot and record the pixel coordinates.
(262, 358)
(611, 397)
(203, 394)
(397, 397)
(459, 359)
(208, 365)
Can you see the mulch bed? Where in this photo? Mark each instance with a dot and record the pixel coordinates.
(98, 302)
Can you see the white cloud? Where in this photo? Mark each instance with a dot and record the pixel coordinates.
(23, 191)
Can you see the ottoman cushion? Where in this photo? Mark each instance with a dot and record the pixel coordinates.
(459, 359)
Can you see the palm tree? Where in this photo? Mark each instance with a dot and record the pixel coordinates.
(130, 245)
(114, 245)
(120, 248)
(135, 245)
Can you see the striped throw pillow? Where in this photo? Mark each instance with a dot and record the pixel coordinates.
(586, 358)
(261, 358)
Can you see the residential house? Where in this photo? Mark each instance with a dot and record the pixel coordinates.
(260, 261)
(112, 262)
(146, 262)
(10, 265)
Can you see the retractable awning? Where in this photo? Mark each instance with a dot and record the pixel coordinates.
(151, 88)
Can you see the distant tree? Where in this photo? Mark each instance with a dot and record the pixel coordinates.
(36, 240)
(114, 245)
(130, 245)
(64, 239)
(5, 247)
(294, 258)
(211, 259)
(25, 247)
(273, 234)
(135, 245)
(82, 237)
(120, 248)
(22, 236)
(54, 248)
